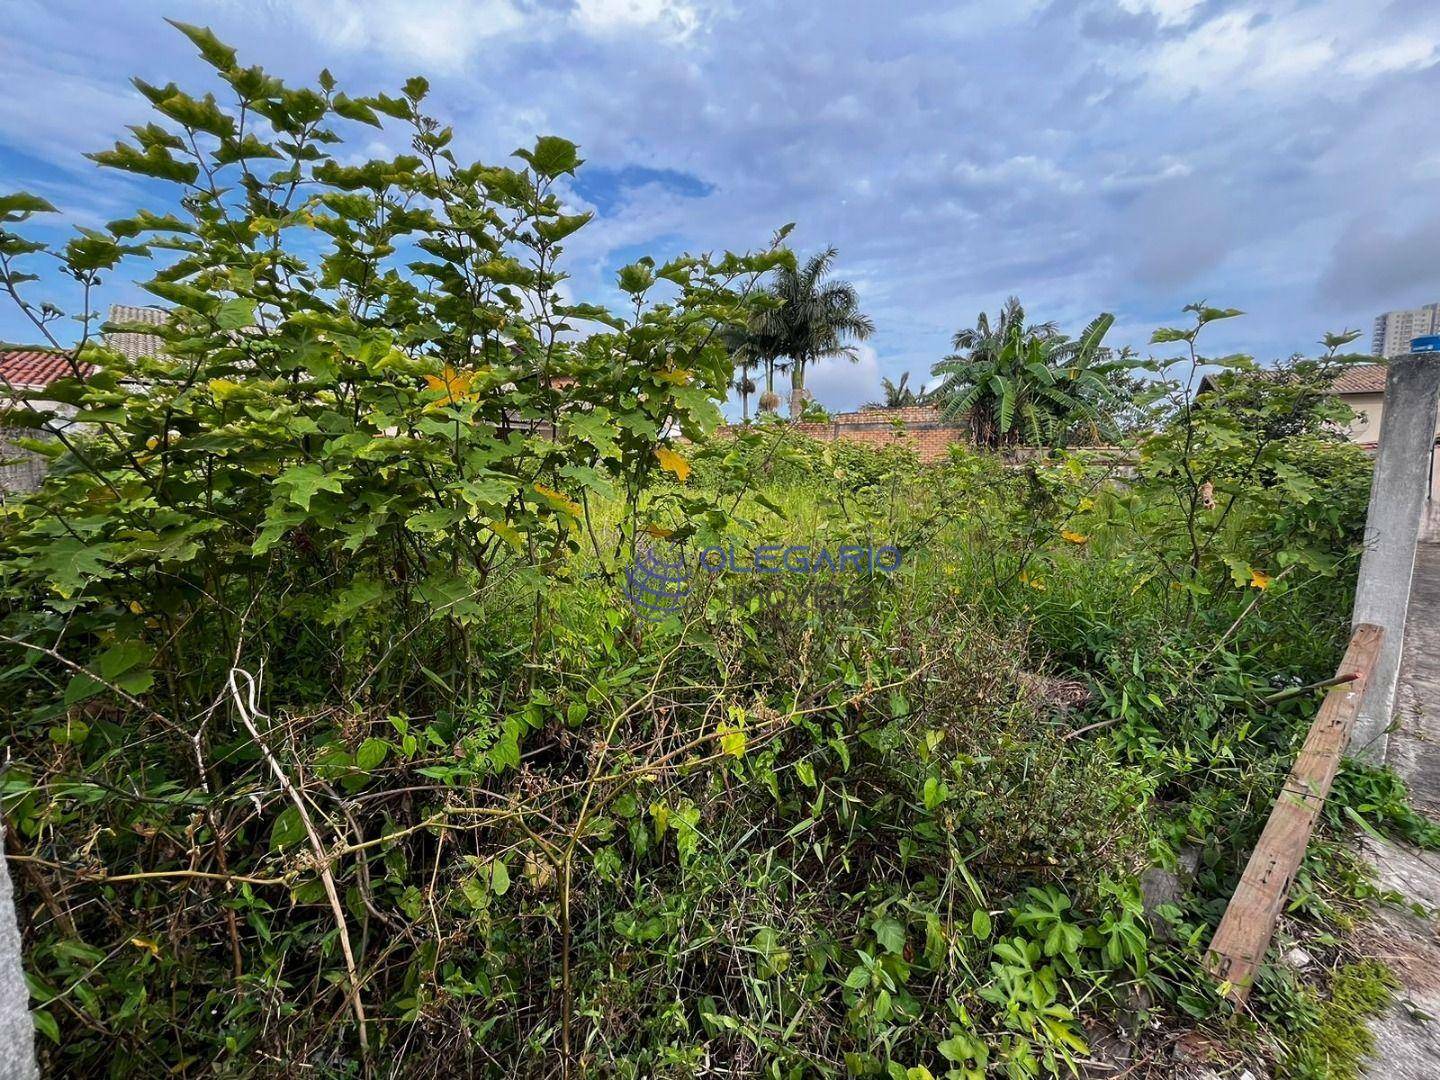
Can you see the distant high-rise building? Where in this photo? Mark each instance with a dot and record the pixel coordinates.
(1394, 329)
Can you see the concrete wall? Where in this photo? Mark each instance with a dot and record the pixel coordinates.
(17, 1033)
(1392, 529)
(1369, 414)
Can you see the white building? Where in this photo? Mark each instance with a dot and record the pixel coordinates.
(1394, 329)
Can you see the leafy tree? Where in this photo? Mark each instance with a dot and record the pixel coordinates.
(372, 406)
(1251, 465)
(1017, 380)
(810, 316)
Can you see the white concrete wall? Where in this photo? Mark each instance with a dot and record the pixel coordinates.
(1398, 511)
(1369, 412)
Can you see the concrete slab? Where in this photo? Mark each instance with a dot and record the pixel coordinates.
(1414, 745)
(1407, 1035)
(1398, 508)
(17, 1035)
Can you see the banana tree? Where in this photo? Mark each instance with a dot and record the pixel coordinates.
(1016, 381)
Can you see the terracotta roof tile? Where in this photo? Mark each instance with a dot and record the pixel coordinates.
(35, 369)
(1361, 379)
(130, 344)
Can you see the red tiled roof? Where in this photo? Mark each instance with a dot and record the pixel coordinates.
(1361, 379)
(35, 369)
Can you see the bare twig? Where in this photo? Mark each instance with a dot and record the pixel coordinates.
(247, 706)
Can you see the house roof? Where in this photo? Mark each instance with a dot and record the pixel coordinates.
(1361, 379)
(131, 344)
(30, 368)
(1355, 379)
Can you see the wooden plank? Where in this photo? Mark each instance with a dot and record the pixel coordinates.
(1244, 933)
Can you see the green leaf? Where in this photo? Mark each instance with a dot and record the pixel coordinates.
(890, 934)
(552, 156)
(1205, 314)
(351, 109)
(236, 314)
(214, 51)
(121, 657)
(145, 221)
(303, 482)
(21, 205)
(288, 829)
(46, 1025)
(69, 563)
(637, 277)
(980, 924)
(183, 295)
(561, 227)
(357, 596)
(154, 161)
(499, 878)
(371, 754)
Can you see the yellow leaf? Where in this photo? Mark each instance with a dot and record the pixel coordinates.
(1034, 582)
(659, 532)
(559, 500)
(223, 388)
(507, 533)
(732, 739)
(455, 384)
(671, 461)
(660, 812)
(146, 944)
(136, 608)
(1259, 580)
(1075, 537)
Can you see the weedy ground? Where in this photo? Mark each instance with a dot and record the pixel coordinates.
(811, 824)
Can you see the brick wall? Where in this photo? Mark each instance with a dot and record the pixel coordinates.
(917, 427)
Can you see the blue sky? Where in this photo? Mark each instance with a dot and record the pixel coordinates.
(1280, 156)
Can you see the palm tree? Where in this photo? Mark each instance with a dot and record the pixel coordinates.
(746, 385)
(1017, 380)
(898, 395)
(815, 317)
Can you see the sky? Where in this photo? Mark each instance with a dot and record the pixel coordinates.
(1131, 156)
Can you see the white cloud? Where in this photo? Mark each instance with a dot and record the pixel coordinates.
(441, 34)
(838, 384)
(1235, 51)
(57, 113)
(1164, 168)
(1405, 54)
(616, 16)
(1169, 12)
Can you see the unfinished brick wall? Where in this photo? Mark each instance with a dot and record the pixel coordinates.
(917, 427)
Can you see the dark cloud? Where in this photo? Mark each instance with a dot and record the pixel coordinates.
(1386, 265)
(1112, 25)
(1126, 155)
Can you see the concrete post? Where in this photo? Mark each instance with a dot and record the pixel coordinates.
(1392, 529)
(17, 1032)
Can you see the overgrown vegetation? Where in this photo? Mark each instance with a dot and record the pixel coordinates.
(335, 746)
